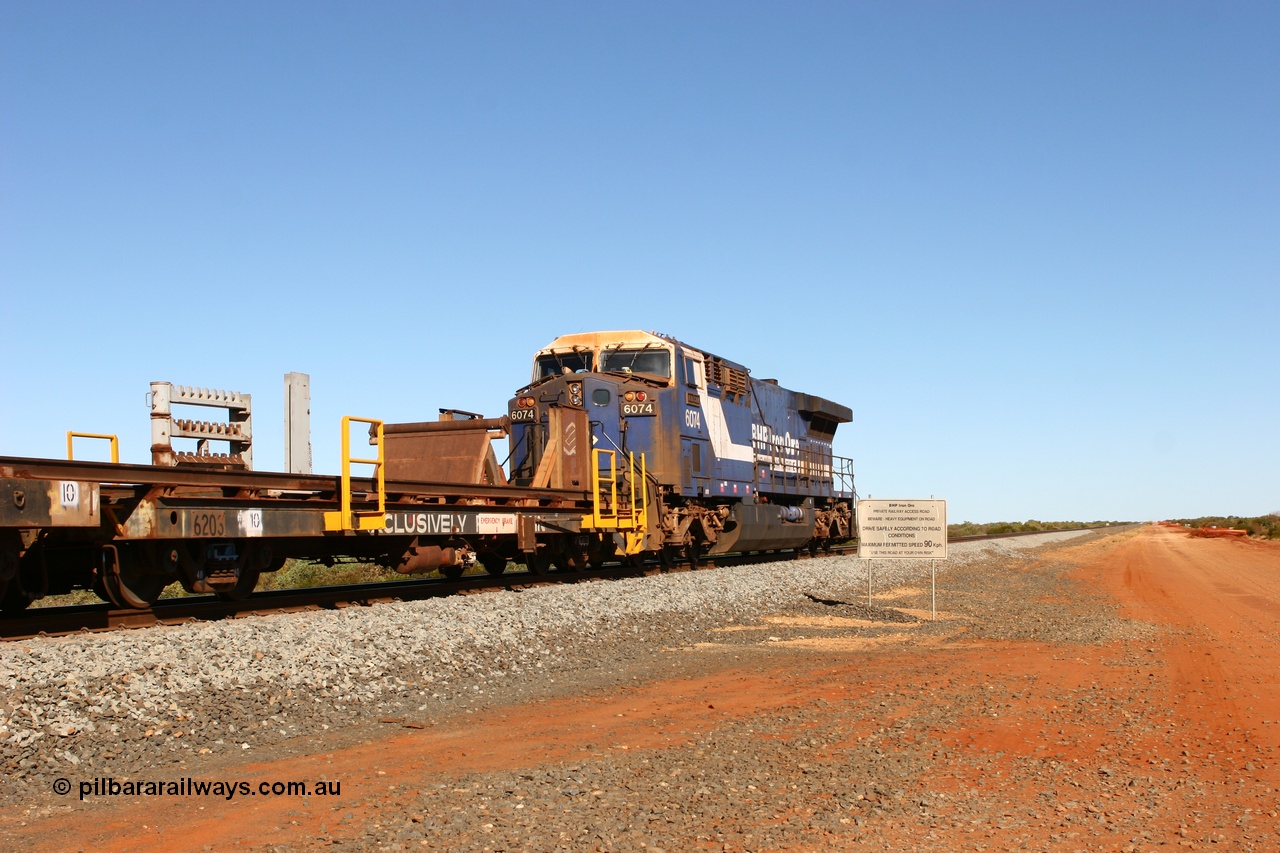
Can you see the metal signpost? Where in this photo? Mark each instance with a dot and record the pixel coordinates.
(903, 529)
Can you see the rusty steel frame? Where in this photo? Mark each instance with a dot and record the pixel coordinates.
(250, 482)
(156, 503)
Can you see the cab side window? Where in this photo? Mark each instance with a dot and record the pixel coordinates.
(691, 378)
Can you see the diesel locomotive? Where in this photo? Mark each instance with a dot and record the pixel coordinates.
(693, 454)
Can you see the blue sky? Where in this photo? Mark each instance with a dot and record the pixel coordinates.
(1034, 246)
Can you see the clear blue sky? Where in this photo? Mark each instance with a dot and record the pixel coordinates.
(1034, 246)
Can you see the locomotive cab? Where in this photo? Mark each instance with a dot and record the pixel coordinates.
(617, 379)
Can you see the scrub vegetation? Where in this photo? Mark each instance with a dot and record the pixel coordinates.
(1262, 526)
(968, 528)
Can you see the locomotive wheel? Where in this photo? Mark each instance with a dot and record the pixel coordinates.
(130, 585)
(453, 573)
(244, 587)
(494, 564)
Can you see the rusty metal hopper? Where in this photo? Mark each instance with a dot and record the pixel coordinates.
(449, 451)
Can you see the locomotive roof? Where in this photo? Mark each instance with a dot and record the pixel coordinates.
(808, 404)
(625, 338)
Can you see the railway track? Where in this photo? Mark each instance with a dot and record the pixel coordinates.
(61, 621)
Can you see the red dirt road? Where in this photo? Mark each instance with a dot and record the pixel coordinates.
(1163, 738)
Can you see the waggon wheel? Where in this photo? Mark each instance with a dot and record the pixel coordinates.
(573, 560)
(100, 589)
(538, 563)
(601, 552)
(8, 570)
(126, 581)
(494, 564)
(15, 600)
(27, 581)
(693, 553)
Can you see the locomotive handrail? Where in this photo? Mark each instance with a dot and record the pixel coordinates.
(346, 518)
(635, 520)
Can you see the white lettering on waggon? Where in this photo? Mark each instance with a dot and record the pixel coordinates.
(495, 524)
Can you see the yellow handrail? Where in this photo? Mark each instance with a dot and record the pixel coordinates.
(115, 443)
(634, 540)
(601, 517)
(346, 518)
(635, 521)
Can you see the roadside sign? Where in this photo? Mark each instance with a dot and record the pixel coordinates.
(902, 529)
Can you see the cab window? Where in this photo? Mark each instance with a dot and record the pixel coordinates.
(653, 362)
(691, 371)
(555, 364)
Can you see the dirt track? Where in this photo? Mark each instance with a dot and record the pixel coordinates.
(1033, 715)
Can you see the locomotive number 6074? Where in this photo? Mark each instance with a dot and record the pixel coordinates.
(631, 410)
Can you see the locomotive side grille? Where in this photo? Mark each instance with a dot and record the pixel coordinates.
(730, 379)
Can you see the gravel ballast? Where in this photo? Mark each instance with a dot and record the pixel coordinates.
(134, 701)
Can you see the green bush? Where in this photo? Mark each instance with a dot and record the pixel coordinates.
(301, 574)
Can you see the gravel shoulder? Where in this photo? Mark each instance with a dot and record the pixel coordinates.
(137, 699)
(753, 708)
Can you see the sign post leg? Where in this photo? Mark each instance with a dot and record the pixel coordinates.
(933, 587)
(869, 584)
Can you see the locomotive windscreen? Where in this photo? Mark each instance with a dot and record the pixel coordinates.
(564, 362)
(654, 362)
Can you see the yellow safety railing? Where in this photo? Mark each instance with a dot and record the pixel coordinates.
(346, 518)
(633, 520)
(115, 443)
